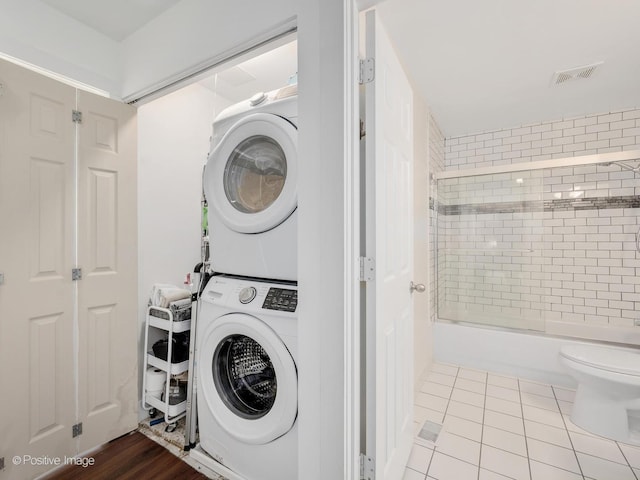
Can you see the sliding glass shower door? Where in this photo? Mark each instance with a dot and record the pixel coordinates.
(540, 249)
(490, 236)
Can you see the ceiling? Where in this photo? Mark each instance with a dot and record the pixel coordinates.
(266, 72)
(117, 19)
(484, 65)
(480, 65)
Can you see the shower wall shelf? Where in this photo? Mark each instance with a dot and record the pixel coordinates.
(613, 157)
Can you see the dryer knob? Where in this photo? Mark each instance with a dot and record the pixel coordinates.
(247, 294)
(257, 99)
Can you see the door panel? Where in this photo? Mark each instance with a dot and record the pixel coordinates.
(102, 252)
(389, 240)
(107, 253)
(36, 255)
(48, 191)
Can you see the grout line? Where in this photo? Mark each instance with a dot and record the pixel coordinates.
(568, 434)
(444, 415)
(498, 473)
(407, 467)
(524, 429)
(484, 409)
(443, 384)
(433, 454)
(455, 378)
(558, 468)
(470, 391)
(455, 458)
(626, 459)
(466, 419)
(433, 395)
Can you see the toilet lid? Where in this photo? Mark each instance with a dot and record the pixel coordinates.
(620, 360)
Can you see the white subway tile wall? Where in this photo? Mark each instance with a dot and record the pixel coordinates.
(598, 133)
(516, 249)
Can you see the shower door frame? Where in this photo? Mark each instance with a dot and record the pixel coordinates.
(613, 157)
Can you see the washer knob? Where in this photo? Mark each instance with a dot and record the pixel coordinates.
(257, 99)
(247, 294)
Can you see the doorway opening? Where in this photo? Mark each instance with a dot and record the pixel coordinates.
(175, 137)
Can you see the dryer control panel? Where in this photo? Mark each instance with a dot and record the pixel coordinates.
(281, 299)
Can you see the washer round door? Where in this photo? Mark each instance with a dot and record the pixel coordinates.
(249, 379)
(250, 179)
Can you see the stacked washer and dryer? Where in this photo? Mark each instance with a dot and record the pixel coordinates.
(247, 382)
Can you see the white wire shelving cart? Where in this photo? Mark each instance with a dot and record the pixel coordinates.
(161, 320)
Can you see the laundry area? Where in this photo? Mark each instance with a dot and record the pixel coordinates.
(235, 132)
(319, 240)
(217, 169)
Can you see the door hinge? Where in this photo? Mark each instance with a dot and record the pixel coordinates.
(76, 274)
(76, 430)
(367, 468)
(367, 269)
(367, 70)
(76, 116)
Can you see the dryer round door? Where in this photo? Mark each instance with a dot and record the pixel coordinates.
(249, 379)
(250, 179)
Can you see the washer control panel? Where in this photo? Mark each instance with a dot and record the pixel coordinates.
(247, 294)
(282, 299)
(251, 295)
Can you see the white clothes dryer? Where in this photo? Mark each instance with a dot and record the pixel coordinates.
(250, 185)
(247, 381)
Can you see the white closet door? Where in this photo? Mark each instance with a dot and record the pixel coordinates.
(107, 253)
(37, 147)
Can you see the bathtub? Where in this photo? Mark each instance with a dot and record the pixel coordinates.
(523, 354)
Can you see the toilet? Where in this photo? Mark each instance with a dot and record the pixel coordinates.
(607, 401)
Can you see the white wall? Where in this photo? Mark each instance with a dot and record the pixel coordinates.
(36, 33)
(193, 32)
(422, 331)
(173, 144)
(328, 242)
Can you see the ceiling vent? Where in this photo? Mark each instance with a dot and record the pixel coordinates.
(577, 73)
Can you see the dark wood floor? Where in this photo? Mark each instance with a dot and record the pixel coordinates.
(133, 456)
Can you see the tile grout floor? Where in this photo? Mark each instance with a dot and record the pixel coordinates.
(496, 427)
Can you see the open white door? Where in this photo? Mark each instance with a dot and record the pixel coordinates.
(389, 242)
(107, 252)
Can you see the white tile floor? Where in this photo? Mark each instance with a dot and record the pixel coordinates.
(497, 427)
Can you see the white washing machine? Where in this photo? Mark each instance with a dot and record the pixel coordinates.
(247, 381)
(250, 184)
